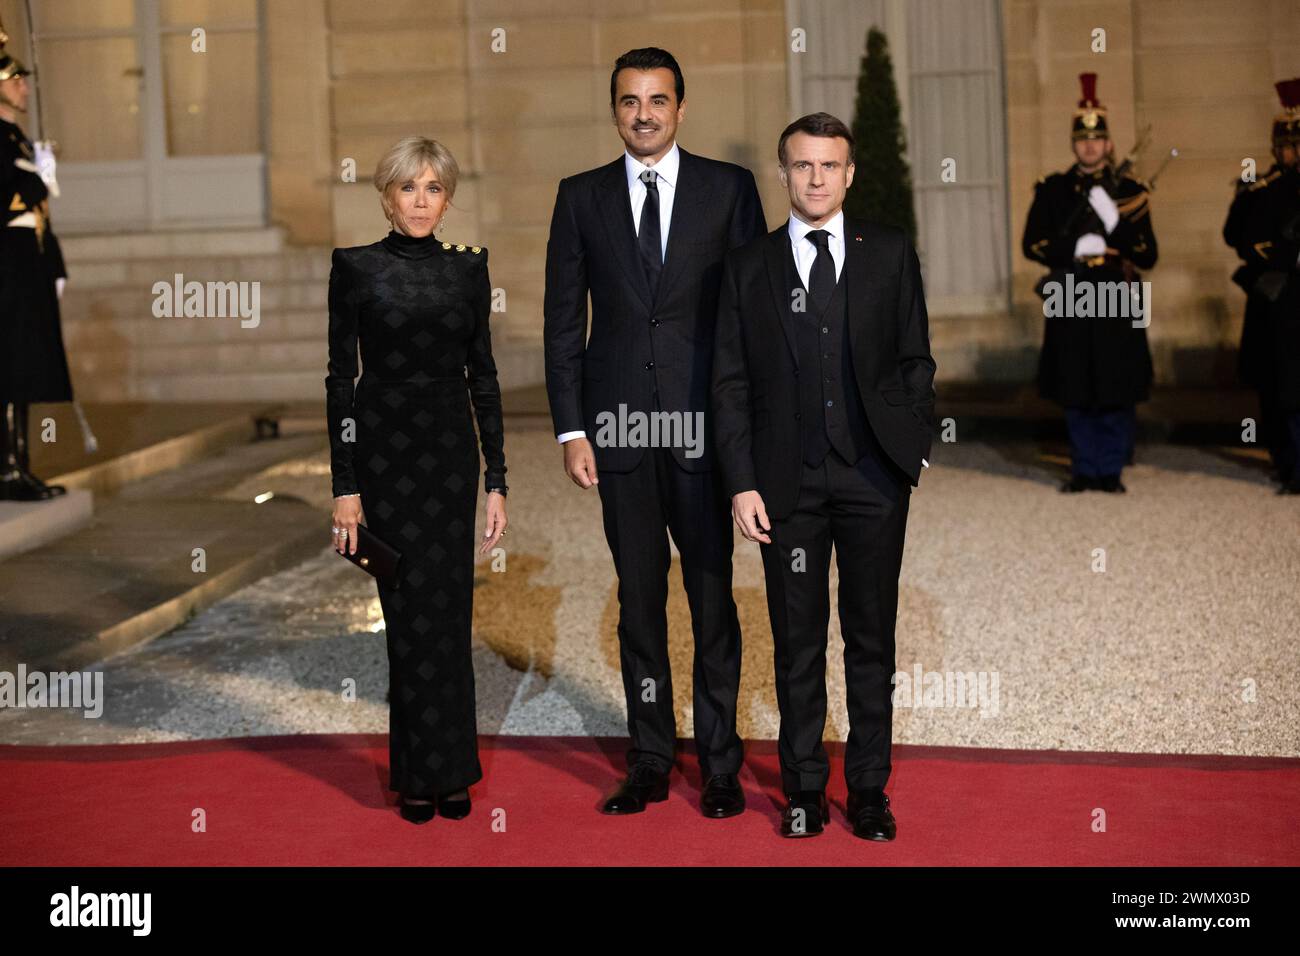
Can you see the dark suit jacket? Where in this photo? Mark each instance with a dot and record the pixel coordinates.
(637, 345)
(756, 428)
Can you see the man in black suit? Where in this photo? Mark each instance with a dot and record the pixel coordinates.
(823, 404)
(645, 236)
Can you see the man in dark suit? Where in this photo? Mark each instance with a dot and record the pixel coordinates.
(645, 236)
(823, 405)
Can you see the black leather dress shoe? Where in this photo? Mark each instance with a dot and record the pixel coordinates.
(806, 814)
(17, 488)
(416, 812)
(868, 811)
(644, 784)
(1077, 483)
(456, 808)
(722, 796)
(42, 489)
(1112, 484)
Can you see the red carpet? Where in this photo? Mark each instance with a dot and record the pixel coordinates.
(312, 800)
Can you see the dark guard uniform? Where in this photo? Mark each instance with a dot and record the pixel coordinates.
(418, 309)
(1098, 366)
(33, 366)
(1264, 228)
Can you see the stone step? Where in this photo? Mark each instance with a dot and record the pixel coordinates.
(172, 245)
(27, 525)
(295, 325)
(517, 366)
(95, 304)
(292, 265)
(164, 453)
(234, 357)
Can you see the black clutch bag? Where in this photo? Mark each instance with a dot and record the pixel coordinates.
(375, 557)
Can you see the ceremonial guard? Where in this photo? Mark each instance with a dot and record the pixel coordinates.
(1091, 226)
(1263, 226)
(33, 366)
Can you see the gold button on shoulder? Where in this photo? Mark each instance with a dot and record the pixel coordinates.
(446, 245)
(460, 248)
(475, 249)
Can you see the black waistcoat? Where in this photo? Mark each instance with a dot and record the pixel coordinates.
(830, 406)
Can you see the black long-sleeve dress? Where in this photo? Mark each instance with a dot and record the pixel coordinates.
(419, 310)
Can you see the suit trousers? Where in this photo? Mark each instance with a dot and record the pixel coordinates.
(1279, 431)
(861, 509)
(1101, 440)
(640, 508)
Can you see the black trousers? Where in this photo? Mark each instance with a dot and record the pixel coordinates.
(640, 508)
(1278, 432)
(861, 509)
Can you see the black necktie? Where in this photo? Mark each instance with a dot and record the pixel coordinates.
(822, 277)
(647, 236)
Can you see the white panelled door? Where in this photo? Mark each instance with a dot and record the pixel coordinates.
(155, 110)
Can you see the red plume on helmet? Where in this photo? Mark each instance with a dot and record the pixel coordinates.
(1088, 83)
(1286, 125)
(1090, 116)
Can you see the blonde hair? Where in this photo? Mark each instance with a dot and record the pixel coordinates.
(406, 159)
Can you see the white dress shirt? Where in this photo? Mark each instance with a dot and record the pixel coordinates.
(666, 180)
(666, 171)
(805, 253)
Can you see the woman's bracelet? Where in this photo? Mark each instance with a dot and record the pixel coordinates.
(355, 494)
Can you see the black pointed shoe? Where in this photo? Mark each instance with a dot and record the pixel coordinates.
(722, 796)
(454, 808)
(416, 812)
(16, 487)
(1111, 484)
(644, 784)
(868, 811)
(1077, 483)
(42, 489)
(806, 814)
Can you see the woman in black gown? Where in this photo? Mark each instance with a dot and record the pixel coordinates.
(404, 461)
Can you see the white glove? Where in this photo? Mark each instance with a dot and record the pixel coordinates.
(1090, 245)
(59, 283)
(46, 165)
(1105, 207)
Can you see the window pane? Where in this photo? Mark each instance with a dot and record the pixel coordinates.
(55, 15)
(206, 13)
(91, 98)
(212, 97)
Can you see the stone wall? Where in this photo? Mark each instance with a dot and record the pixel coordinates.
(520, 120)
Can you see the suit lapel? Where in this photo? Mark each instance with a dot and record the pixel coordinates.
(616, 218)
(775, 253)
(863, 286)
(688, 193)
